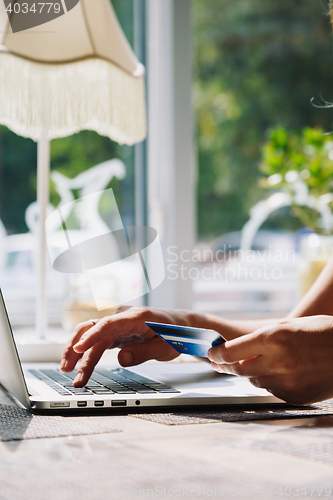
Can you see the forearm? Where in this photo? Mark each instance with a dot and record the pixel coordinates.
(319, 299)
(230, 329)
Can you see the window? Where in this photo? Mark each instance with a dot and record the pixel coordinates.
(257, 65)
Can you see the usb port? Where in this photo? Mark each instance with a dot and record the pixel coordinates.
(121, 402)
(99, 403)
(82, 404)
(61, 404)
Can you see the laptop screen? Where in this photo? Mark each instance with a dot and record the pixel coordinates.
(11, 375)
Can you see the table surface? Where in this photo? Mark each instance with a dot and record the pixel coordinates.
(272, 459)
(144, 459)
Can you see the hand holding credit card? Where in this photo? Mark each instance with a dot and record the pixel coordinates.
(187, 340)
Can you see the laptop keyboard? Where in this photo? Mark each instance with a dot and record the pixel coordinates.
(102, 382)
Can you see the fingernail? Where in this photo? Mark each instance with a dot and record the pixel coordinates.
(78, 378)
(127, 358)
(209, 355)
(63, 364)
(80, 342)
(77, 347)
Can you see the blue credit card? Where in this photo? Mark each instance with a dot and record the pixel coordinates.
(187, 340)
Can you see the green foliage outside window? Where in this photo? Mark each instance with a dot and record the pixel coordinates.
(304, 160)
(258, 64)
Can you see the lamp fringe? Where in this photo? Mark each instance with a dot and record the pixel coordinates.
(91, 94)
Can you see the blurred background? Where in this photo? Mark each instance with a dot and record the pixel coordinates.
(256, 67)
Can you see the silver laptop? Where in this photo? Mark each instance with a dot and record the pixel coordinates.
(166, 385)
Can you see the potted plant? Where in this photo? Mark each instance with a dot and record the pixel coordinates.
(301, 165)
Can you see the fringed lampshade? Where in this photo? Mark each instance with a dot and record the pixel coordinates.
(75, 72)
(61, 72)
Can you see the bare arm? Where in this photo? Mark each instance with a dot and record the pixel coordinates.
(319, 299)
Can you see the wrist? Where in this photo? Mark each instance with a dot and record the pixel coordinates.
(228, 329)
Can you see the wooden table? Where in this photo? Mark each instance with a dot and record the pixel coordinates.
(268, 459)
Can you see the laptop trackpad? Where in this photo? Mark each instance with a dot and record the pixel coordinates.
(199, 378)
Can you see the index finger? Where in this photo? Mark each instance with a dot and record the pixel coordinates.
(245, 347)
(69, 356)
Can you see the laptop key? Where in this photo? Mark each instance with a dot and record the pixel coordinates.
(158, 386)
(100, 391)
(81, 390)
(113, 386)
(146, 391)
(124, 391)
(70, 375)
(54, 375)
(168, 391)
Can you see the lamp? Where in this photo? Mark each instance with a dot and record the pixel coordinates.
(76, 71)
